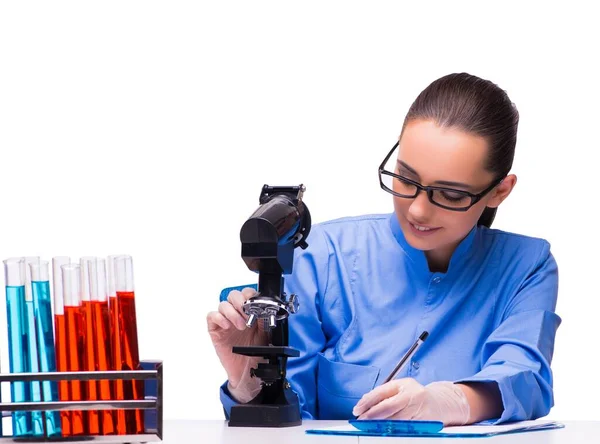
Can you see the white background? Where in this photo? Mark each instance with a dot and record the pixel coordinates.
(149, 128)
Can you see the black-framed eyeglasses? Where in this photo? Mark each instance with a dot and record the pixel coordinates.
(448, 198)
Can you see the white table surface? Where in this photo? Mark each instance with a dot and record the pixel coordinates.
(218, 432)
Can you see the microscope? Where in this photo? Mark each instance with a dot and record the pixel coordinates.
(279, 225)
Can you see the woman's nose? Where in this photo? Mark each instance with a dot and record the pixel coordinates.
(420, 209)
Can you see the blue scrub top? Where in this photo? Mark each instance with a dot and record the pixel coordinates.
(366, 295)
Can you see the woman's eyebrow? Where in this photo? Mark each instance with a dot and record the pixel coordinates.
(454, 184)
(407, 167)
(438, 182)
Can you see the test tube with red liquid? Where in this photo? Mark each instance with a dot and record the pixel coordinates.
(89, 356)
(129, 338)
(115, 342)
(100, 315)
(60, 338)
(74, 327)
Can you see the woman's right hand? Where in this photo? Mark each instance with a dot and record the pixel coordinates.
(227, 328)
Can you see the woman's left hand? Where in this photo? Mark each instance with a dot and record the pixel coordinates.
(407, 399)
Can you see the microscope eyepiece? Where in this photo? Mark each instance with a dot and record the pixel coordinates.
(280, 224)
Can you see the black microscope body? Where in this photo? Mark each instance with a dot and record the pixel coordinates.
(280, 224)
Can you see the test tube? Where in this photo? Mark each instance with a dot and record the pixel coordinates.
(89, 357)
(60, 334)
(129, 337)
(42, 311)
(71, 278)
(97, 275)
(14, 278)
(37, 416)
(115, 340)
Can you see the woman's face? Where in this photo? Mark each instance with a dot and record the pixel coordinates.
(445, 157)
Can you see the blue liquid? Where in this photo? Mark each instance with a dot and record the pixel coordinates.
(37, 417)
(19, 356)
(47, 358)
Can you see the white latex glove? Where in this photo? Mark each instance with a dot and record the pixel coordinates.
(407, 399)
(246, 390)
(227, 328)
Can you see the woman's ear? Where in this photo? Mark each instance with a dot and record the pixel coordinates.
(502, 191)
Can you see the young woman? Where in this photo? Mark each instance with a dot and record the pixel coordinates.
(370, 285)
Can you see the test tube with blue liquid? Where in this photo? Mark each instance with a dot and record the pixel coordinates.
(42, 306)
(37, 416)
(14, 278)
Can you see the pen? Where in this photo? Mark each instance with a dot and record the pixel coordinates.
(411, 351)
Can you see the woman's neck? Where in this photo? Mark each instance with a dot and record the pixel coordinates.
(439, 259)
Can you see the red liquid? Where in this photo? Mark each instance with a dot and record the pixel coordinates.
(89, 364)
(102, 336)
(62, 366)
(130, 357)
(118, 385)
(74, 330)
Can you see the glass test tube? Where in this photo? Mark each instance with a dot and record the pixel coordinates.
(37, 416)
(60, 334)
(42, 310)
(115, 340)
(129, 337)
(71, 278)
(97, 278)
(14, 275)
(89, 357)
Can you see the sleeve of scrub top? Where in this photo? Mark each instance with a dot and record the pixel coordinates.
(308, 281)
(517, 355)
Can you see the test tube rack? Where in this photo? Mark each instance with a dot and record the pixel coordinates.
(151, 372)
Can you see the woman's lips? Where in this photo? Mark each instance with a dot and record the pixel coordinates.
(423, 232)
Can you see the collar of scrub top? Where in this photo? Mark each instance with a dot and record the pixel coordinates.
(459, 258)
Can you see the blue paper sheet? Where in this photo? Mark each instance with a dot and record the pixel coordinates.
(421, 429)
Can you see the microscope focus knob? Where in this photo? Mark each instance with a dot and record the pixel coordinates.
(293, 304)
(251, 320)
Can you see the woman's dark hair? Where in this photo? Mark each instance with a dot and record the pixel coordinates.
(476, 106)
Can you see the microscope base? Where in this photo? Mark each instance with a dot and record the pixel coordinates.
(265, 416)
(285, 413)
